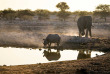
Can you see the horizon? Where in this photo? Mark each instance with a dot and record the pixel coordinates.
(75, 5)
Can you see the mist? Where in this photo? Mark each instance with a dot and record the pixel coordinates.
(32, 33)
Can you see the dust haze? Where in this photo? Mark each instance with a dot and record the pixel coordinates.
(32, 33)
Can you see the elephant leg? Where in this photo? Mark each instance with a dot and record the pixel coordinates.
(80, 33)
(86, 33)
(90, 32)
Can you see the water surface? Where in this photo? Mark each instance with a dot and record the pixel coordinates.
(22, 56)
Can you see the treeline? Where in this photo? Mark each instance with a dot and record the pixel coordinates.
(9, 14)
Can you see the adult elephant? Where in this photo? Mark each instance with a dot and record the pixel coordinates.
(84, 23)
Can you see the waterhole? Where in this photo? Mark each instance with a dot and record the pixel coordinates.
(22, 56)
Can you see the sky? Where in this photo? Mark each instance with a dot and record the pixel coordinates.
(82, 5)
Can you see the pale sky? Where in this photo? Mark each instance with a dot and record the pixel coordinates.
(87, 5)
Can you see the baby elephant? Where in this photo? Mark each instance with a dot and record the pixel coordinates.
(52, 38)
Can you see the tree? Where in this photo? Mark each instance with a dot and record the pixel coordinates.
(103, 11)
(42, 14)
(62, 6)
(63, 14)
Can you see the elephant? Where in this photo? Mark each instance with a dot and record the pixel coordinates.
(84, 23)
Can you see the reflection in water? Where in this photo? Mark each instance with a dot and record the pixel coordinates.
(52, 55)
(83, 54)
(21, 56)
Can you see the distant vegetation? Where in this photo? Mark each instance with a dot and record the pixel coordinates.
(101, 11)
(42, 14)
(63, 14)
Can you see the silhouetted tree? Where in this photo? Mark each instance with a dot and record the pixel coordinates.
(103, 11)
(42, 14)
(62, 6)
(63, 14)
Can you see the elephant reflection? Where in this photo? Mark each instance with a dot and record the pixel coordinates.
(83, 54)
(51, 55)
